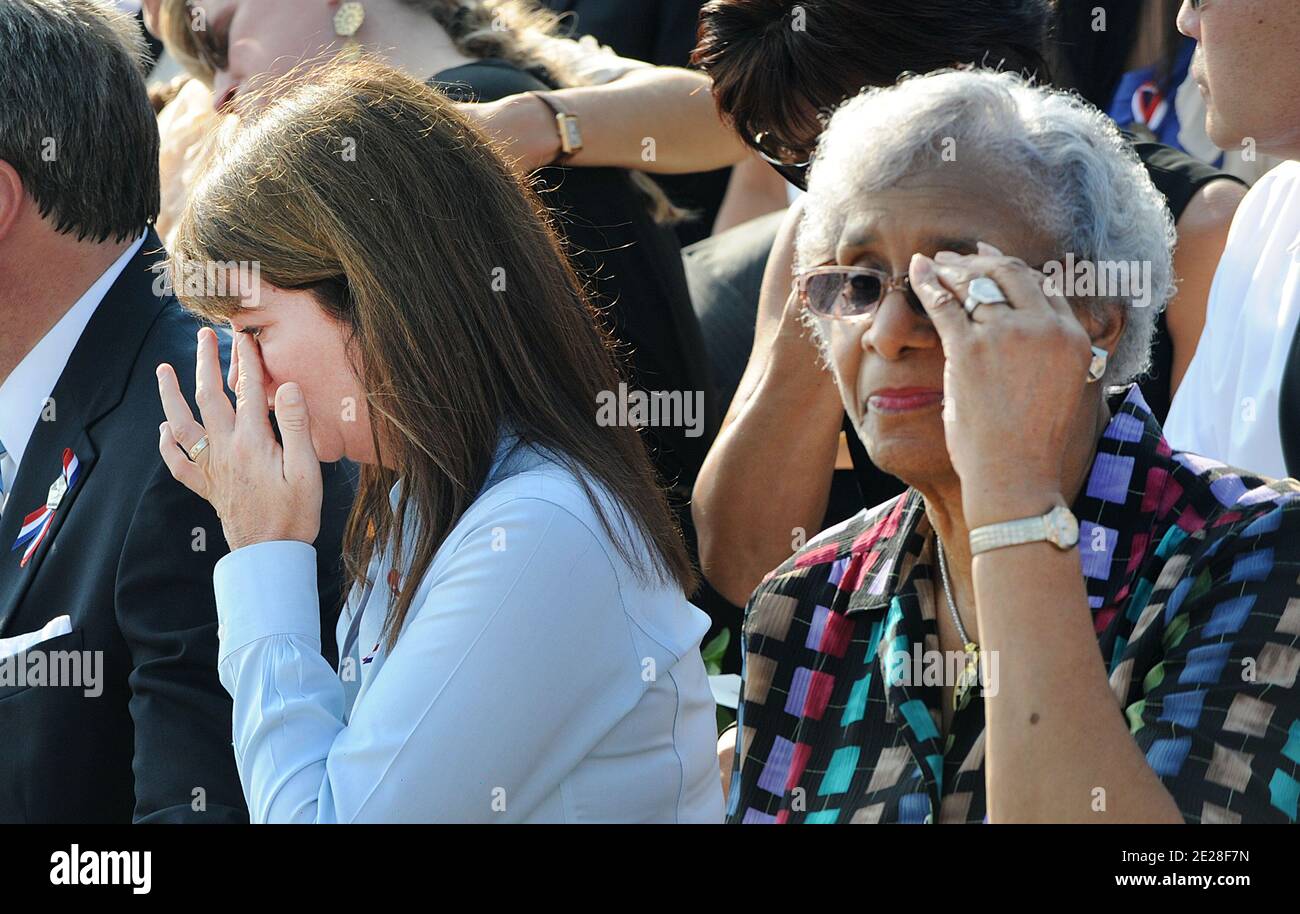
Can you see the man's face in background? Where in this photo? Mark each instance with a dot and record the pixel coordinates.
(1247, 66)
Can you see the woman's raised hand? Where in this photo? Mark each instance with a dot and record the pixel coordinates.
(261, 490)
(1013, 377)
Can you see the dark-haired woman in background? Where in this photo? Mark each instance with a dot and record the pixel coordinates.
(517, 645)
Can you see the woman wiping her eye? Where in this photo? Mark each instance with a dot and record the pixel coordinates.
(517, 645)
(1062, 619)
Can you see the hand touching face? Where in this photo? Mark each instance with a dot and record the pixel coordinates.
(262, 491)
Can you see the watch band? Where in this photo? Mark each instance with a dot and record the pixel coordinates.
(1058, 527)
(566, 122)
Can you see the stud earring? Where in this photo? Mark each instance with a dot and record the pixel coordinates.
(1098, 366)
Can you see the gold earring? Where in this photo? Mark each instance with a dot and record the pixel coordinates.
(348, 19)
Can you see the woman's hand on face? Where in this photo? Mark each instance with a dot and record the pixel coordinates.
(261, 490)
(1013, 375)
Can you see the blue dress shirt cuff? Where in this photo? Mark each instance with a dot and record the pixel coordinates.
(265, 590)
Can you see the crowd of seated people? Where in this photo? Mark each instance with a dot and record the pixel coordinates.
(737, 411)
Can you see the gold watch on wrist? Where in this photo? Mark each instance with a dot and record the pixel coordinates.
(566, 122)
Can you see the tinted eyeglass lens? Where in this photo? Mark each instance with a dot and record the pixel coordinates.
(838, 295)
(862, 293)
(852, 295)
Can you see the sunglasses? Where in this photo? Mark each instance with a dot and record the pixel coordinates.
(791, 165)
(846, 292)
(843, 292)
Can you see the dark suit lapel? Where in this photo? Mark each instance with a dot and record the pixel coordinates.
(92, 383)
(31, 493)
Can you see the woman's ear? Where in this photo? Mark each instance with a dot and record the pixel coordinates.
(1106, 328)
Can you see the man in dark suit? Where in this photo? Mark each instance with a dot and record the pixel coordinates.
(110, 705)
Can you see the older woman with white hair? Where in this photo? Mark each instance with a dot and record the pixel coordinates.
(1061, 619)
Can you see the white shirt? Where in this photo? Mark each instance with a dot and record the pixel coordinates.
(535, 679)
(1227, 405)
(24, 393)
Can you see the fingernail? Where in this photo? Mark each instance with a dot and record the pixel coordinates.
(291, 394)
(923, 267)
(946, 256)
(161, 426)
(988, 249)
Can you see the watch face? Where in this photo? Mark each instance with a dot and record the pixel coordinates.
(1063, 526)
(570, 134)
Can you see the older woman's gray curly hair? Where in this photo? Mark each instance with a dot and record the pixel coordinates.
(1061, 161)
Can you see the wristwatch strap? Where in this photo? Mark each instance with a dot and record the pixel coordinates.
(1058, 527)
(1009, 533)
(567, 123)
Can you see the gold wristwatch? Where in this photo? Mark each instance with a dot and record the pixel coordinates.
(566, 122)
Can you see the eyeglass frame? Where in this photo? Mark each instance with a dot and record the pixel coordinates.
(889, 284)
(794, 172)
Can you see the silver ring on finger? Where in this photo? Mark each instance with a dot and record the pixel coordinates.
(199, 447)
(983, 291)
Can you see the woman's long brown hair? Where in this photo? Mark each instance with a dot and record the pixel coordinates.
(371, 190)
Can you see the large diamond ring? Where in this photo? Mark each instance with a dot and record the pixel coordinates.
(983, 291)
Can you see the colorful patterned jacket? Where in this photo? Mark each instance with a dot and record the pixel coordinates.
(1193, 577)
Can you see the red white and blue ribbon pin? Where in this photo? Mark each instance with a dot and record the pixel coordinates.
(37, 524)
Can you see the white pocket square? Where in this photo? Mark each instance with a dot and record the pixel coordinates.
(60, 625)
